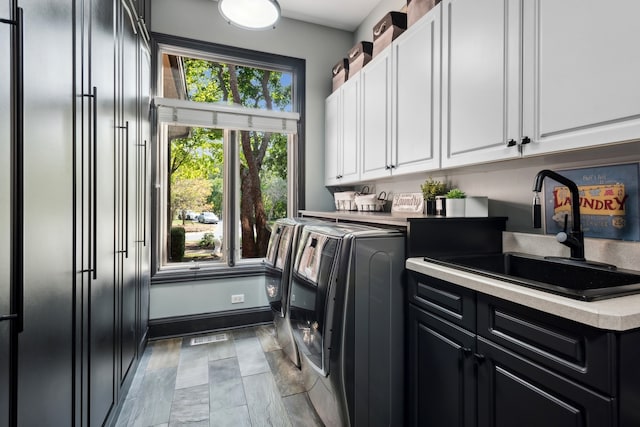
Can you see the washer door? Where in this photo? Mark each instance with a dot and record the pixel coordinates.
(310, 285)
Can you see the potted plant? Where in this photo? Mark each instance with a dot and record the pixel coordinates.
(430, 190)
(455, 202)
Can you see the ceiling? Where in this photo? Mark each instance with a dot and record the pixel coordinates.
(342, 14)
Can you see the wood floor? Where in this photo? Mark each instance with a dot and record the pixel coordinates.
(243, 381)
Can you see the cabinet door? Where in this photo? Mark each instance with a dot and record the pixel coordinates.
(515, 392)
(128, 114)
(332, 138)
(350, 131)
(416, 97)
(101, 310)
(581, 67)
(376, 117)
(441, 381)
(481, 77)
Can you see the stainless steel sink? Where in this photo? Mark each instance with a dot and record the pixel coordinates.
(575, 279)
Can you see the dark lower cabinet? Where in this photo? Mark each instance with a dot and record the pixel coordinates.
(441, 383)
(512, 391)
(511, 365)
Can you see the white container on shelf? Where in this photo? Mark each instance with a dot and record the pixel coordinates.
(455, 207)
(477, 206)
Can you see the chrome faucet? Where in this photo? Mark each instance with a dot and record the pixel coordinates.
(575, 238)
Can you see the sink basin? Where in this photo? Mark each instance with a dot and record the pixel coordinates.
(580, 280)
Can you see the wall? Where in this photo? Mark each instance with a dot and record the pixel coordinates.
(187, 298)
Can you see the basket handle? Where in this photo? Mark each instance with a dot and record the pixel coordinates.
(380, 29)
(382, 195)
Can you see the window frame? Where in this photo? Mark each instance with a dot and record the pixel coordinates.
(170, 274)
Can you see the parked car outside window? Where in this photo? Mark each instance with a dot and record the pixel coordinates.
(190, 215)
(208, 218)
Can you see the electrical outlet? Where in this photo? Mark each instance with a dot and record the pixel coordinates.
(236, 299)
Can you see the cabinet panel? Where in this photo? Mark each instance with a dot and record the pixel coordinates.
(331, 138)
(342, 134)
(376, 117)
(441, 372)
(451, 302)
(581, 71)
(350, 132)
(416, 97)
(481, 75)
(513, 391)
(577, 351)
(99, 68)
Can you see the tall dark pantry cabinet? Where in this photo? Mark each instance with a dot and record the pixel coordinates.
(74, 242)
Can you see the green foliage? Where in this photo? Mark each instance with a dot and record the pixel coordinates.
(432, 188)
(208, 241)
(456, 193)
(177, 244)
(190, 194)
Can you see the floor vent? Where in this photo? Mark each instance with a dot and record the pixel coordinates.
(208, 339)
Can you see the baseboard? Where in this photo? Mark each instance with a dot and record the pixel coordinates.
(193, 324)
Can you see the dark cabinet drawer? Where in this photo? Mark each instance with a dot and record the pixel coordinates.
(513, 391)
(577, 351)
(451, 302)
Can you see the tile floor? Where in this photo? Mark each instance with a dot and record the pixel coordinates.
(243, 381)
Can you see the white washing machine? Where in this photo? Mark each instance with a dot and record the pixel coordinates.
(346, 307)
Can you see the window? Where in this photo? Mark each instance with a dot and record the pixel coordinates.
(227, 153)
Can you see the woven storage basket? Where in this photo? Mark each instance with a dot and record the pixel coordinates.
(370, 202)
(345, 201)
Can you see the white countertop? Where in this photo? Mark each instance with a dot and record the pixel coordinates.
(616, 314)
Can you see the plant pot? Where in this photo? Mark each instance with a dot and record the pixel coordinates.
(455, 207)
(430, 207)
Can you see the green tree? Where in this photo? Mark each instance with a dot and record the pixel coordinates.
(187, 194)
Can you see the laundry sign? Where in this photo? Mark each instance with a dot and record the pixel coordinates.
(608, 202)
(408, 203)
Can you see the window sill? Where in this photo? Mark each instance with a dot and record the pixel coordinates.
(186, 274)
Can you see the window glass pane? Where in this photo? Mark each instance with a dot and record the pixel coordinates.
(202, 80)
(241, 178)
(263, 188)
(195, 192)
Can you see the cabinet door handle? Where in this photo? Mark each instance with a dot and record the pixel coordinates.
(126, 190)
(93, 188)
(17, 214)
(466, 351)
(525, 140)
(480, 358)
(144, 194)
(511, 142)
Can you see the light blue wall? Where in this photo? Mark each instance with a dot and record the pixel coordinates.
(205, 296)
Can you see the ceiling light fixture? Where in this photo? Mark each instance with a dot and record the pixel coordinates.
(250, 14)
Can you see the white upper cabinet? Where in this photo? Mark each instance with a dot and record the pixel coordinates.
(401, 104)
(376, 116)
(416, 97)
(481, 78)
(342, 134)
(581, 73)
